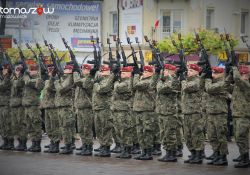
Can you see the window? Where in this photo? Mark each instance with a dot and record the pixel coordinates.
(171, 21)
(114, 23)
(243, 22)
(210, 18)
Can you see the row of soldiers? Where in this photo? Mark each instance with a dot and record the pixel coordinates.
(140, 110)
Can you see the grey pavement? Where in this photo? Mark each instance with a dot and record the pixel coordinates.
(25, 163)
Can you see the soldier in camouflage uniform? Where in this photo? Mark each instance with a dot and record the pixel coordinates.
(83, 106)
(51, 116)
(33, 85)
(179, 132)
(122, 101)
(241, 112)
(19, 127)
(101, 101)
(192, 89)
(63, 102)
(166, 106)
(216, 111)
(144, 106)
(5, 119)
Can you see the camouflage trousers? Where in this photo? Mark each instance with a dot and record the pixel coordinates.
(52, 124)
(242, 134)
(145, 128)
(18, 122)
(157, 137)
(33, 122)
(66, 123)
(5, 122)
(103, 126)
(179, 131)
(122, 124)
(134, 128)
(217, 132)
(193, 131)
(115, 135)
(168, 130)
(85, 118)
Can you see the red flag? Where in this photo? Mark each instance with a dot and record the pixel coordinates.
(157, 23)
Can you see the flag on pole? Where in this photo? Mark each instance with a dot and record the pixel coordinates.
(157, 23)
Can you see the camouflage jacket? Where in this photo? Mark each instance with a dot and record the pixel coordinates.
(122, 99)
(192, 90)
(216, 98)
(166, 99)
(83, 91)
(17, 85)
(64, 91)
(241, 96)
(102, 93)
(31, 91)
(49, 92)
(5, 86)
(145, 93)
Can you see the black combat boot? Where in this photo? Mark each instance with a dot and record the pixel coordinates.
(222, 161)
(244, 163)
(215, 156)
(179, 152)
(105, 152)
(117, 148)
(157, 150)
(88, 151)
(37, 147)
(191, 157)
(84, 147)
(147, 156)
(10, 145)
(23, 145)
(136, 149)
(49, 145)
(55, 147)
(143, 153)
(198, 158)
(238, 159)
(67, 149)
(30, 149)
(5, 144)
(169, 157)
(126, 153)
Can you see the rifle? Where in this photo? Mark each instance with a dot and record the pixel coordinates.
(157, 59)
(72, 56)
(42, 68)
(111, 62)
(133, 54)
(97, 55)
(124, 58)
(25, 67)
(140, 53)
(6, 59)
(58, 69)
(204, 59)
(232, 61)
(183, 66)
